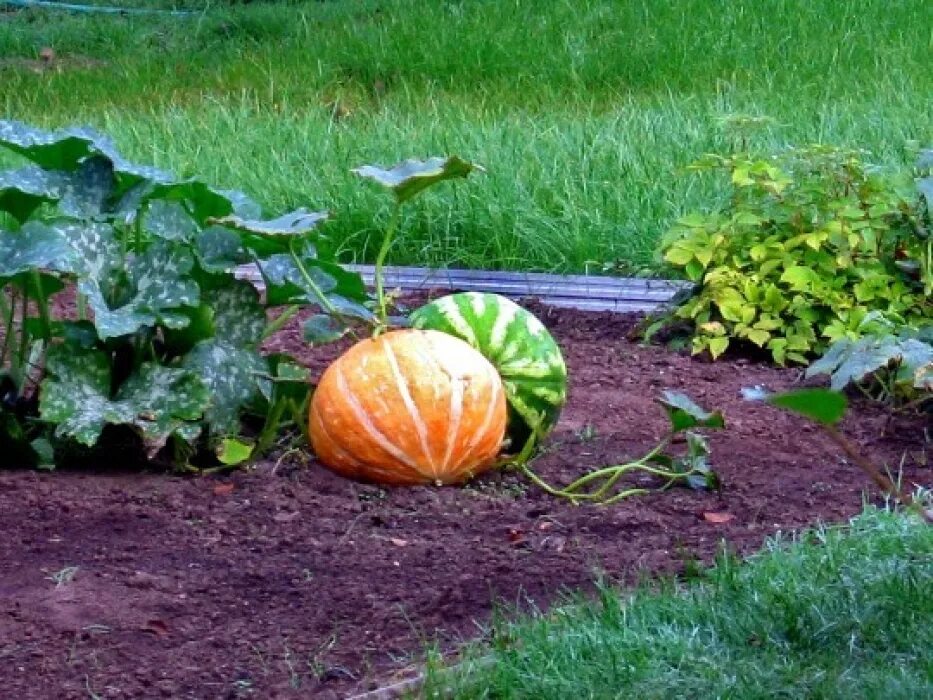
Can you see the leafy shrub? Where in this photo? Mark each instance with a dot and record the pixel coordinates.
(165, 339)
(895, 367)
(809, 244)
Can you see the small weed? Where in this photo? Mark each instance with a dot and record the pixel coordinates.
(63, 576)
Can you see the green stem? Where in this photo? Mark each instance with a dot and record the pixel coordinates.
(138, 235)
(621, 468)
(22, 359)
(380, 261)
(321, 298)
(543, 485)
(6, 312)
(81, 303)
(269, 429)
(43, 305)
(276, 325)
(624, 494)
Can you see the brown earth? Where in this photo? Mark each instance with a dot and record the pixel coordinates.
(287, 581)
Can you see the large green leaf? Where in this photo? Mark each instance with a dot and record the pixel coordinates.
(169, 220)
(202, 202)
(820, 405)
(229, 364)
(239, 317)
(849, 361)
(159, 283)
(157, 401)
(219, 249)
(232, 375)
(87, 191)
(684, 413)
(321, 329)
(296, 223)
(285, 284)
(33, 247)
(243, 205)
(23, 190)
(96, 251)
(65, 149)
(410, 177)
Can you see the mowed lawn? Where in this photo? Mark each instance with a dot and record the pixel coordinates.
(584, 112)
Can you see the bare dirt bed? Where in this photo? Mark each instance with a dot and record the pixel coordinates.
(287, 581)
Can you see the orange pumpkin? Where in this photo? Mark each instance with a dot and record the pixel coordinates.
(409, 407)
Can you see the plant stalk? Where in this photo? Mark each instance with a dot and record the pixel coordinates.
(883, 482)
(43, 306)
(279, 322)
(6, 313)
(380, 261)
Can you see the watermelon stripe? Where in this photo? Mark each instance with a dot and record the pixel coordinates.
(515, 342)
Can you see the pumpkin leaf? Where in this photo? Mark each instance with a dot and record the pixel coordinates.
(35, 246)
(66, 148)
(850, 361)
(289, 380)
(157, 401)
(243, 205)
(231, 376)
(219, 250)
(238, 315)
(411, 177)
(231, 451)
(169, 220)
(297, 223)
(322, 329)
(22, 191)
(684, 414)
(159, 282)
(86, 193)
(202, 202)
(285, 283)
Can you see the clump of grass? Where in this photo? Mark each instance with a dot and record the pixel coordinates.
(837, 612)
(583, 111)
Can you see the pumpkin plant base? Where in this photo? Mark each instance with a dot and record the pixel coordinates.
(409, 407)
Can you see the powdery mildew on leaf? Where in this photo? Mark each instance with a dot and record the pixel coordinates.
(87, 192)
(160, 281)
(230, 375)
(33, 247)
(157, 400)
(239, 318)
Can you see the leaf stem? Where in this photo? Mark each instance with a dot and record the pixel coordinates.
(279, 322)
(325, 303)
(380, 260)
(270, 428)
(81, 304)
(6, 313)
(601, 495)
(22, 358)
(43, 305)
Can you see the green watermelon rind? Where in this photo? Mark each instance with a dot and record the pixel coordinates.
(517, 344)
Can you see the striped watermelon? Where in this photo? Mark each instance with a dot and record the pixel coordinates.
(519, 347)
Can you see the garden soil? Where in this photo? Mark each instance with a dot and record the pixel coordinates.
(287, 581)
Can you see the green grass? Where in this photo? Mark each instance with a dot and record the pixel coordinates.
(836, 613)
(584, 112)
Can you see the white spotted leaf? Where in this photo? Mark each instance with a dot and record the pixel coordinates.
(157, 401)
(232, 375)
